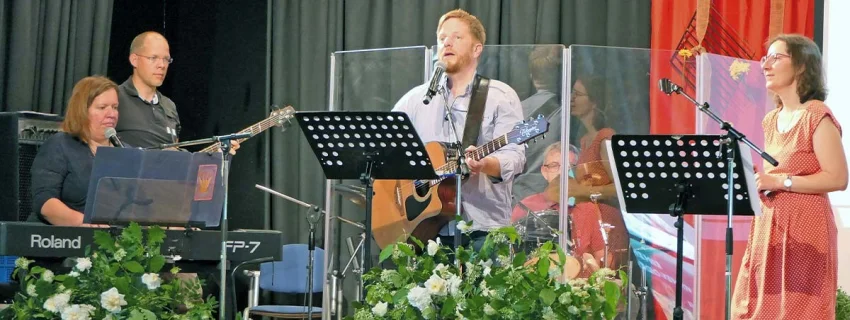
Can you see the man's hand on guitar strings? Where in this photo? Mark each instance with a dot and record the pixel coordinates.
(489, 165)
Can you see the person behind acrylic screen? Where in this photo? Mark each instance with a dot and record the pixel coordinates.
(549, 170)
(789, 269)
(589, 103)
(62, 167)
(586, 235)
(487, 191)
(544, 64)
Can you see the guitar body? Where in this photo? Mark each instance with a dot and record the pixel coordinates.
(399, 210)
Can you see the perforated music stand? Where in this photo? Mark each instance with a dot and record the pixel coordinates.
(682, 174)
(366, 146)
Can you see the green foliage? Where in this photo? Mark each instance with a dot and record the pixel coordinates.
(120, 279)
(433, 286)
(842, 305)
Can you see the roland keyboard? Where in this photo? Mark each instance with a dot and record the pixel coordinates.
(34, 240)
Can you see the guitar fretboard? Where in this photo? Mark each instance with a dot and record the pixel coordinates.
(254, 129)
(477, 154)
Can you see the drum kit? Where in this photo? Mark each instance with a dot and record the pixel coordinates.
(539, 227)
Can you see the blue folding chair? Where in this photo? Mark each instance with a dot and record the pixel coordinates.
(287, 276)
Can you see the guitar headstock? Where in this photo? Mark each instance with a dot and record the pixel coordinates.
(528, 130)
(282, 117)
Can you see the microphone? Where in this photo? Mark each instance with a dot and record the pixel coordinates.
(439, 69)
(668, 86)
(113, 137)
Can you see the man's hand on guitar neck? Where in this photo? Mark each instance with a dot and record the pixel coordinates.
(233, 147)
(488, 165)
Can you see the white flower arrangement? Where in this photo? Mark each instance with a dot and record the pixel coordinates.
(120, 279)
(490, 284)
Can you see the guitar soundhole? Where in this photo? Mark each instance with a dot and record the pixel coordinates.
(422, 189)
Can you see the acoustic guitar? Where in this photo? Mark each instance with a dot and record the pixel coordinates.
(276, 118)
(401, 208)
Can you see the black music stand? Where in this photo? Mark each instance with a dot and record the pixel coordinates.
(366, 146)
(150, 187)
(682, 174)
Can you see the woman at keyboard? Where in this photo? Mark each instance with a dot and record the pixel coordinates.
(61, 169)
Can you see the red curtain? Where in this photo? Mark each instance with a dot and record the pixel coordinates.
(751, 20)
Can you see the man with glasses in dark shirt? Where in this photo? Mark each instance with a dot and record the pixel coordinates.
(149, 118)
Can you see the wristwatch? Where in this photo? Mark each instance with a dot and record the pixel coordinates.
(787, 183)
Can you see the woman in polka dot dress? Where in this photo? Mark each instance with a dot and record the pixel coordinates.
(789, 267)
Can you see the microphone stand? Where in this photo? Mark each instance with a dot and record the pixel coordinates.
(461, 169)
(732, 137)
(313, 218)
(225, 172)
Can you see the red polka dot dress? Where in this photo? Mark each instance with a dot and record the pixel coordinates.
(789, 267)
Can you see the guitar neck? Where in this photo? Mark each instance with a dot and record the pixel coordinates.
(254, 129)
(488, 148)
(477, 154)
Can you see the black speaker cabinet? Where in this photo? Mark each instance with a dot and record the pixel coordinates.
(21, 134)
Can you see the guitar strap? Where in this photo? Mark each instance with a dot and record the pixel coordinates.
(475, 114)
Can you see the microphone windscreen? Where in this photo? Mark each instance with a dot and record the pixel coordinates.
(110, 132)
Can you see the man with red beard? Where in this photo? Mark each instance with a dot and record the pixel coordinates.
(486, 195)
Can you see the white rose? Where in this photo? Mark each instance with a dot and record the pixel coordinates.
(486, 263)
(31, 290)
(433, 247)
(47, 276)
(112, 301)
(441, 269)
(453, 285)
(83, 264)
(489, 310)
(57, 302)
(572, 309)
(74, 274)
(151, 280)
(436, 286)
(419, 298)
(22, 262)
(120, 254)
(380, 309)
(463, 227)
(77, 312)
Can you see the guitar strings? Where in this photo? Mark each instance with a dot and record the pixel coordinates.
(478, 153)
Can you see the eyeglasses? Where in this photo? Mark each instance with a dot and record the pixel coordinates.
(553, 165)
(578, 93)
(771, 58)
(154, 59)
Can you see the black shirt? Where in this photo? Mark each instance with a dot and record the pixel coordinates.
(61, 170)
(145, 124)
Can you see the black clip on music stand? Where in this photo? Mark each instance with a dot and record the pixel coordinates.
(664, 173)
(732, 140)
(366, 146)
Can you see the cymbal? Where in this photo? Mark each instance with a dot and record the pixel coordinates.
(355, 194)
